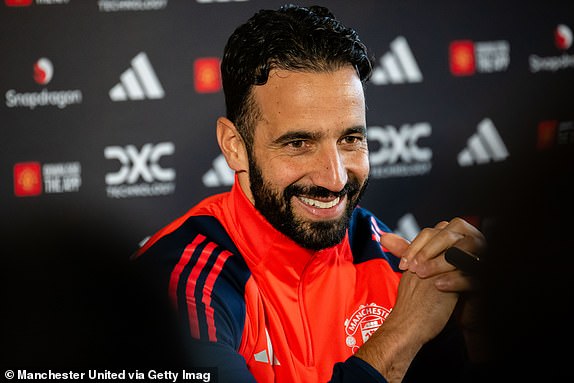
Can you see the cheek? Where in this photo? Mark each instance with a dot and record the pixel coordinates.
(282, 173)
(358, 164)
(279, 171)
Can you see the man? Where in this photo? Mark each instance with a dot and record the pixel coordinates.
(284, 278)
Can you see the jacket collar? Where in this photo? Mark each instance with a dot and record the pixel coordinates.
(264, 247)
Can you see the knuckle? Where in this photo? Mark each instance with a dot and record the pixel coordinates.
(441, 224)
(427, 232)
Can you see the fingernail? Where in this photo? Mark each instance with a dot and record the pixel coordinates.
(441, 284)
(404, 264)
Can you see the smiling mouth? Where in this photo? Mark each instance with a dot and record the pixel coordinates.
(320, 204)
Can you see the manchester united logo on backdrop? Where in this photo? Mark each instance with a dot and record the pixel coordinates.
(363, 323)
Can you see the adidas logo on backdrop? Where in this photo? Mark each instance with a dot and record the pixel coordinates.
(138, 82)
(484, 146)
(397, 66)
(220, 174)
(407, 227)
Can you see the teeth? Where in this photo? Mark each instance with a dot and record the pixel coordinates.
(320, 204)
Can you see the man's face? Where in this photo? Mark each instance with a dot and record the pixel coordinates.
(309, 164)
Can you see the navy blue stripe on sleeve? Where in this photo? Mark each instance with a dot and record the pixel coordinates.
(355, 370)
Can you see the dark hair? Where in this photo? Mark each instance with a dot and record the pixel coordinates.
(292, 38)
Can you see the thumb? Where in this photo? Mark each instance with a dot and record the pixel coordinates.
(394, 244)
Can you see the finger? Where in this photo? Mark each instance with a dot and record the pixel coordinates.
(456, 232)
(436, 245)
(441, 225)
(473, 240)
(432, 267)
(410, 258)
(394, 244)
(456, 281)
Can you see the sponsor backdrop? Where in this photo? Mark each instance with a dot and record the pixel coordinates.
(108, 126)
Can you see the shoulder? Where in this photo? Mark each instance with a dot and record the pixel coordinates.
(199, 244)
(207, 207)
(205, 277)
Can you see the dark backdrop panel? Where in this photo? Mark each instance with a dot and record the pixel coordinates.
(86, 173)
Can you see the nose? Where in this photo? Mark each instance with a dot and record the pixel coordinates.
(329, 169)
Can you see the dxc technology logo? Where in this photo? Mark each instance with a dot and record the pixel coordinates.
(136, 164)
(396, 152)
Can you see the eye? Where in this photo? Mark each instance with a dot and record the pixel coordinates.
(351, 140)
(296, 144)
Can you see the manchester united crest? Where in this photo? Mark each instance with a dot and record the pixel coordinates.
(363, 323)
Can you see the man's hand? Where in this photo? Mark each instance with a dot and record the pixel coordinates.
(420, 313)
(425, 257)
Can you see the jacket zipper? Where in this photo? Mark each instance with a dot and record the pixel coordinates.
(309, 357)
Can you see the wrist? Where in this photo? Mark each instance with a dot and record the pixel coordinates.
(391, 349)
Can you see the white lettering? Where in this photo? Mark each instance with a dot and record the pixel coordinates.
(204, 376)
(136, 164)
(61, 99)
(152, 374)
(107, 375)
(400, 144)
(550, 64)
(141, 190)
(131, 5)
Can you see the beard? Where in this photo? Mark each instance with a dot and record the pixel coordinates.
(276, 207)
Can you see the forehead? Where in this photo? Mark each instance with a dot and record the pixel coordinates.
(292, 100)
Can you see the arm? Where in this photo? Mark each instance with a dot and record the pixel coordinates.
(205, 289)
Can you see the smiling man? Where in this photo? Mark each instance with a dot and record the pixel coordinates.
(309, 162)
(285, 278)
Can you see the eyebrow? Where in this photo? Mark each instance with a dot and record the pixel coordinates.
(356, 129)
(296, 135)
(306, 135)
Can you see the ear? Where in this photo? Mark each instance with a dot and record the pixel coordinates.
(232, 145)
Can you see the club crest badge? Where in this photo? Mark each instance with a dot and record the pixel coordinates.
(363, 323)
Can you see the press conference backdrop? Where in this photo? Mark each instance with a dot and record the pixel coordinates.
(109, 106)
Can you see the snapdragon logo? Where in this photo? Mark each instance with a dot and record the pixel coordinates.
(562, 41)
(140, 173)
(42, 72)
(397, 152)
